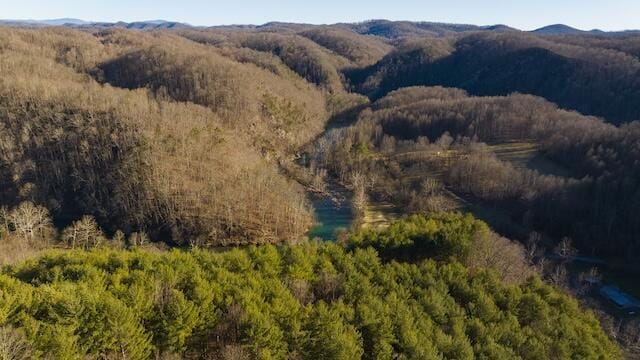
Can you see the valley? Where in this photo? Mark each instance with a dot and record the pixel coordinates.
(374, 190)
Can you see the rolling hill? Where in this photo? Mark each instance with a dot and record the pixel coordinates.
(596, 81)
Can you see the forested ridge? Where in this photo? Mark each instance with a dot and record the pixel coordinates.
(599, 80)
(138, 160)
(312, 301)
(157, 191)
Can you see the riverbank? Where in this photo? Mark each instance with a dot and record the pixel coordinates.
(379, 215)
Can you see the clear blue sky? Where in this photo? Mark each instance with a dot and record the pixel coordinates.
(526, 15)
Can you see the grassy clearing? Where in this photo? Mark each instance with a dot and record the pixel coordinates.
(526, 155)
(379, 215)
(420, 165)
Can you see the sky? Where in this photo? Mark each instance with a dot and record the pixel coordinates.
(525, 15)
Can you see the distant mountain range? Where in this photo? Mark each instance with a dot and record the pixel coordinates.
(77, 23)
(383, 28)
(561, 29)
(51, 22)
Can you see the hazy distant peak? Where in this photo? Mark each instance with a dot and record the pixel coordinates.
(558, 29)
(47, 22)
(69, 22)
(499, 28)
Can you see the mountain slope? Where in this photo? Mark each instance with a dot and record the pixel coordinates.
(146, 158)
(361, 50)
(602, 82)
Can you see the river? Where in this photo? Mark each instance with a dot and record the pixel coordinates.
(333, 213)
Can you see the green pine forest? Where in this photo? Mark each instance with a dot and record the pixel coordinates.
(308, 301)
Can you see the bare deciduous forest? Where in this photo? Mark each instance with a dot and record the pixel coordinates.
(157, 191)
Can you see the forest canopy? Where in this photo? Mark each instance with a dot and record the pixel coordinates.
(311, 301)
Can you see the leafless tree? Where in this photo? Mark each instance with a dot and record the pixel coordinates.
(84, 233)
(504, 256)
(138, 239)
(533, 246)
(558, 275)
(13, 345)
(359, 201)
(29, 220)
(565, 248)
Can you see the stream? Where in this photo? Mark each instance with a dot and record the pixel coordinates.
(333, 213)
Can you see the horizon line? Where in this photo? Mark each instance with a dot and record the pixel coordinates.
(89, 22)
